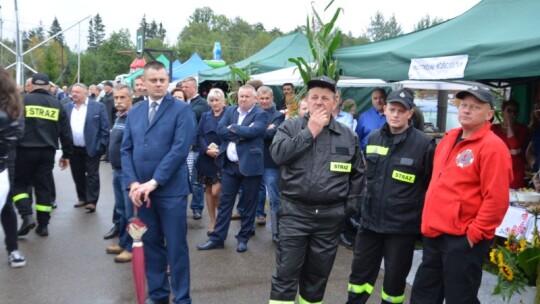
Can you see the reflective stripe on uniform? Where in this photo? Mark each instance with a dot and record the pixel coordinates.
(376, 150)
(389, 298)
(404, 177)
(303, 301)
(42, 112)
(43, 208)
(360, 288)
(20, 196)
(280, 302)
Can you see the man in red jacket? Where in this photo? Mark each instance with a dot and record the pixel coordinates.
(466, 200)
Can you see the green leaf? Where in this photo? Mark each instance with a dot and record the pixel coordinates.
(528, 261)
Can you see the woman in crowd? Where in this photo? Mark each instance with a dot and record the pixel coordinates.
(209, 173)
(178, 94)
(533, 150)
(10, 131)
(516, 137)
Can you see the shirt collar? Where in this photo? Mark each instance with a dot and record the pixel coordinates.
(246, 113)
(156, 101)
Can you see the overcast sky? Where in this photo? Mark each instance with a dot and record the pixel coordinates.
(283, 14)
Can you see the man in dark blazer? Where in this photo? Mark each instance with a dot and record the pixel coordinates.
(90, 129)
(242, 129)
(158, 135)
(199, 106)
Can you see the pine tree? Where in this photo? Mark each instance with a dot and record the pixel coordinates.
(99, 30)
(56, 28)
(91, 36)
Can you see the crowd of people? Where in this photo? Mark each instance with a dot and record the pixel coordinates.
(318, 165)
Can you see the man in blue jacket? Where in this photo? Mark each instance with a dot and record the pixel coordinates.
(158, 135)
(90, 129)
(242, 129)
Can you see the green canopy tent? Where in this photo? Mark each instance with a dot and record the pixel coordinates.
(499, 39)
(273, 57)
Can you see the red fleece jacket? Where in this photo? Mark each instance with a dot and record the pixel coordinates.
(469, 188)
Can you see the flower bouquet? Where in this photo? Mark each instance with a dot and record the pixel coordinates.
(518, 262)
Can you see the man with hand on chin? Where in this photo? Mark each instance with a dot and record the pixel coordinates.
(158, 135)
(322, 179)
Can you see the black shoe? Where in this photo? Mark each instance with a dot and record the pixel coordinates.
(344, 241)
(197, 215)
(28, 224)
(209, 245)
(42, 230)
(241, 247)
(252, 232)
(112, 233)
(54, 205)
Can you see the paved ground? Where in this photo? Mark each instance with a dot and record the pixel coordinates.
(70, 266)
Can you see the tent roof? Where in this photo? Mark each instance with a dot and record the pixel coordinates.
(291, 75)
(272, 57)
(190, 68)
(500, 37)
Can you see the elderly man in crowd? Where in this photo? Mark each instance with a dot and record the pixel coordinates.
(90, 129)
(242, 129)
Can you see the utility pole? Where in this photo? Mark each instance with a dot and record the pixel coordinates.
(19, 56)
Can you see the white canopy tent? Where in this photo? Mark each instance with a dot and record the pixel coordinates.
(291, 75)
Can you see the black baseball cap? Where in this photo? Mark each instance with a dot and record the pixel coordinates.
(481, 94)
(402, 96)
(322, 82)
(40, 79)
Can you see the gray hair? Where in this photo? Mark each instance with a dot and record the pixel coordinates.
(122, 86)
(264, 90)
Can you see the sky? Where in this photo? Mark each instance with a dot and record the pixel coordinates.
(283, 14)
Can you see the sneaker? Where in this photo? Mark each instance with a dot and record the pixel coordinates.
(261, 220)
(114, 249)
(123, 257)
(16, 259)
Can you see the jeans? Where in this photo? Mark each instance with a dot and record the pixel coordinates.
(123, 207)
(197, 194)
(270, 184)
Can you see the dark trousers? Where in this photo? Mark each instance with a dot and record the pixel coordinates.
(165, 243)
(450, 270)
(8, 216)
(231, 182)
(307, 247)
(33, 167)
(85, 172)
(370, 248)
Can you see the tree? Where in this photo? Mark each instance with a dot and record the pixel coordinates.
(426, 22)
(99, 30)
(91, 36)
(380, 29)
(96, 33)
(56, 28)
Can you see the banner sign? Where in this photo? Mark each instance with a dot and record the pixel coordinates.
(448, 67)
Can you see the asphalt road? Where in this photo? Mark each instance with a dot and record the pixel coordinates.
(71, 266)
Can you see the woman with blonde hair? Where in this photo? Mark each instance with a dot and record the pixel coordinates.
(208, 172)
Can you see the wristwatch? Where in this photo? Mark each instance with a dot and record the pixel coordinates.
(153, 183)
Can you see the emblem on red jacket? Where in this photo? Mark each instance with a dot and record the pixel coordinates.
(465, 158)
